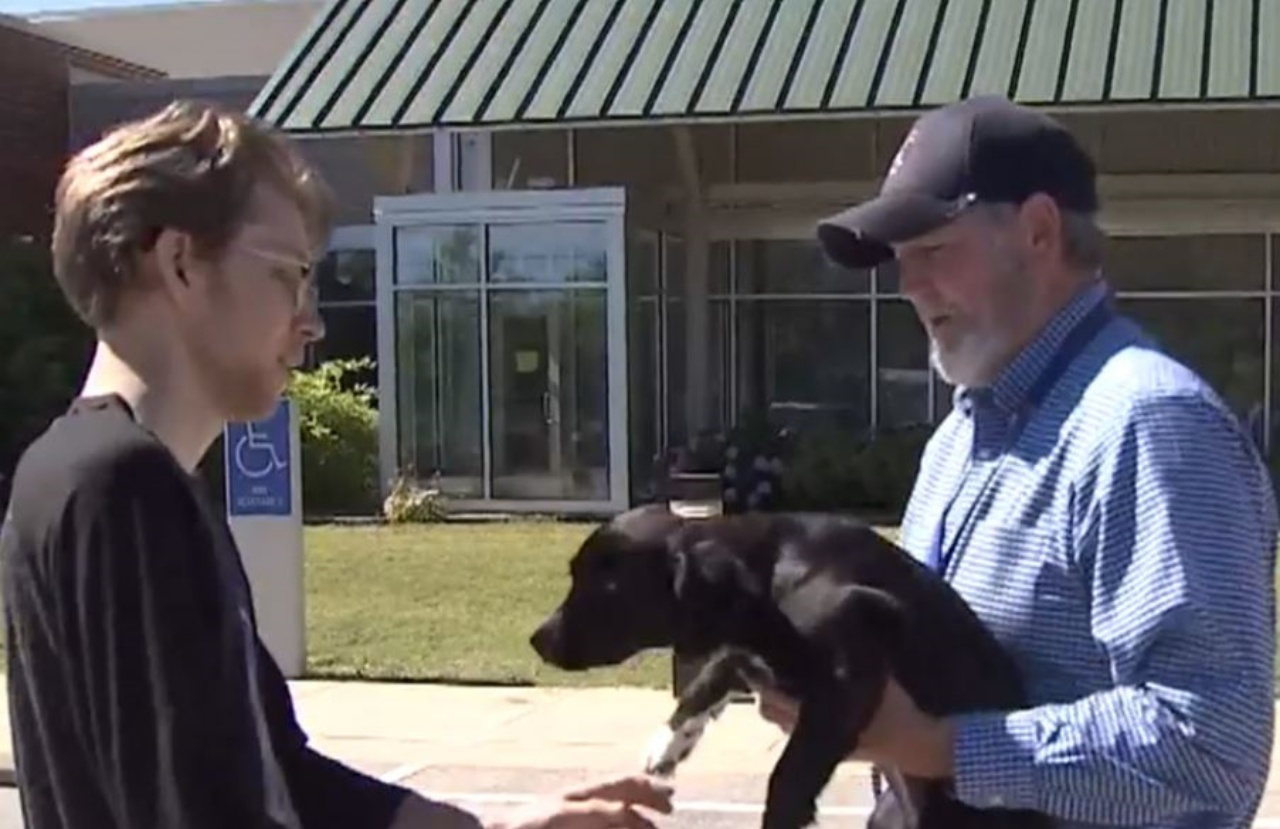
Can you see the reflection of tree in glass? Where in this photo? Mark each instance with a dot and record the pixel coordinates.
(547, 253)
(456, 260)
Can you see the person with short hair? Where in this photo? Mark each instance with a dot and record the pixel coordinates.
(140, 692)
(1098, 505)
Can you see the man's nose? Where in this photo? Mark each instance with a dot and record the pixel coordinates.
(914, 282)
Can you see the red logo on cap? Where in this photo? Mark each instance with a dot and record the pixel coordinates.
(903, 151)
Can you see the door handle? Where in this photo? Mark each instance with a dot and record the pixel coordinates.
(546, 408)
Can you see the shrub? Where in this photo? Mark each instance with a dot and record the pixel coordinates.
(44, 350)
(338, 428)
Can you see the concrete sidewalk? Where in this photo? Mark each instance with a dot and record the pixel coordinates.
(396, 730)
(515, 738)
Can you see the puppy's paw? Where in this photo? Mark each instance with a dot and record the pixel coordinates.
(668, 748)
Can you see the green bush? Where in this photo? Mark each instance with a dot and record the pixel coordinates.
(834, 470)
(44, 350)
(338, 426)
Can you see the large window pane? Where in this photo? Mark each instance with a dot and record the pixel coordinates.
(548, 253)
(675, 259)
(1221, 339)
(1186, 263)
(943, 395)
(644, 396)
(793, 266)
(902, 374)
(346, 276)
(642, 265)
(886, 277)
(437, 255)
(351, 333)
(716, 340)
(438, 367)
(805, 362)
(549, 370)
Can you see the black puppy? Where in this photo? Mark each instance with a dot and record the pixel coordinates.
(819, 606)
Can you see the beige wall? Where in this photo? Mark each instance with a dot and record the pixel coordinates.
(859, 149)
(190, 40)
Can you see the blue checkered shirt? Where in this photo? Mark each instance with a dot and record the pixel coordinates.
(1123, 552)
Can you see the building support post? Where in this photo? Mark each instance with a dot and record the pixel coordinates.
(696, 293)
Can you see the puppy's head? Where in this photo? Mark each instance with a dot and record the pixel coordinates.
(621, 596)
(650, 579)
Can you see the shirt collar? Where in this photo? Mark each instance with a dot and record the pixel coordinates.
(1009, 391)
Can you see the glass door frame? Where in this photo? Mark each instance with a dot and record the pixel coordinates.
(498, 207)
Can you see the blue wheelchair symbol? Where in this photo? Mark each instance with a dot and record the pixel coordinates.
(257, 463)
(256, 454)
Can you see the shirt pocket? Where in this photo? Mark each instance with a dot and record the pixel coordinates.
(1020, 580)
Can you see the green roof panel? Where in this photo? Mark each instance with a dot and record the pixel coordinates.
(785, 35)
(1134, 51)
(815, 66)
(1266, 56)
(1183, 54)
(1042, 49)
(954, 51)
(693, 55)
(621, 33)
(725, 73)
(909, 53)
(1090, 43)
(999, 49)
(377, 65)
(1230, 59)
(871, 34)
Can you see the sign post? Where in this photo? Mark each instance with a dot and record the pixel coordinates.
(264, 508)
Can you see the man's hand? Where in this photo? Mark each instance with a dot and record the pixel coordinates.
(899, 736)
(613, 804)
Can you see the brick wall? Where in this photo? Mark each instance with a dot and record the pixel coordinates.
(35, 75)
(33, 131)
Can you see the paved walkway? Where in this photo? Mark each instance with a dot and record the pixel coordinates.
(511, 739)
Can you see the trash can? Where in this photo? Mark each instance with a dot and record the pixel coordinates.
(694, 495)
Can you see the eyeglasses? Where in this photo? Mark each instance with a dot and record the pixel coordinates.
(299, 275)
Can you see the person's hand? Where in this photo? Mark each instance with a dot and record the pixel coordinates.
(899, 735)
(902, 736)
(613, 804)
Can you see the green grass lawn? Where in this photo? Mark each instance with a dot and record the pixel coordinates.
(450, 603)
(454, 602)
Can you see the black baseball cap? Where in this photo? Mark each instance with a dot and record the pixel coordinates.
(984, 149)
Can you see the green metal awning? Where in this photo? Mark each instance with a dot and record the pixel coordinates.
(383, 65)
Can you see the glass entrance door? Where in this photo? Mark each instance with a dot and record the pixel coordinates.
(508, 336)
(549, 360)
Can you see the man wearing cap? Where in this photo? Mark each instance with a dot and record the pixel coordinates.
(1094, 500)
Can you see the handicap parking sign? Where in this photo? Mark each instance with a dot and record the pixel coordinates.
(259, 480)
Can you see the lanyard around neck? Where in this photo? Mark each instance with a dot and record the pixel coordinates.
(940, 550)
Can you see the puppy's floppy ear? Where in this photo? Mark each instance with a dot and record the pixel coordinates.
(874, 609)
(819, 603)
(706, 570)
